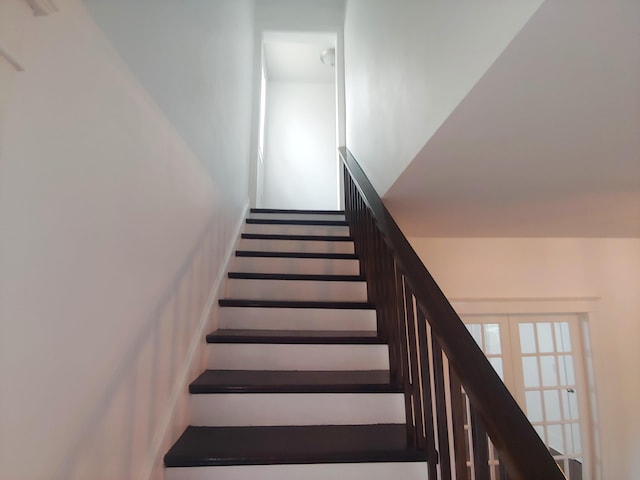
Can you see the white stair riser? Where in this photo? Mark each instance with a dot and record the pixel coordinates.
(308, 266)
(296, 290)
(237, 356)
(260, 409)
(297, 216)
(333, 471)
(307, 246)
(296, 319)
(287, 229)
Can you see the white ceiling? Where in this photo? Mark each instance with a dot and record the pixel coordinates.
(547, 144)
(295, 57)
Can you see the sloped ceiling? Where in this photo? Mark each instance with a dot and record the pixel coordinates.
(547, 143)
(409, 63)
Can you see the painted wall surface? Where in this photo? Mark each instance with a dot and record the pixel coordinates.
(300, 169)
(565, 268)
(407, 66)
(299, 15)
(191, 56)
(113, 233)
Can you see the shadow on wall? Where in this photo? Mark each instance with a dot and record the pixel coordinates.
(144, 408)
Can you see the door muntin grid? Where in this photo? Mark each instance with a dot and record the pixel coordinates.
(488, 337)
(539, 354)
(550, 387)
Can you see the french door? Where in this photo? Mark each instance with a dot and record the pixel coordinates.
(540, 359)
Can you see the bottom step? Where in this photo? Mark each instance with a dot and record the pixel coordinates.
(209, 446)
(326, 471)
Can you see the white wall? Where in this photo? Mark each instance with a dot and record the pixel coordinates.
(565, 268)
(408, 64)
(191, 56)
(300, 169)
(112, 237)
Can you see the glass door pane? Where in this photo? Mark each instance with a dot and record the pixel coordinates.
(550, 391)
(489, 334)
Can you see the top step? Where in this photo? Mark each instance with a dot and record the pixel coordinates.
(326, 215)
(295, 211)
(297, 221)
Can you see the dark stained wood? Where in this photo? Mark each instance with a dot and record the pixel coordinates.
(405, 373)
(296, 277)
(294, 211)
(202, 446)
(414, 370)
(480, 448)
(231, 302)
(521, 449)
(275, 381)
(286, 221)
(394, 314)
(457, 423)
(335, 256)
(502, 472)
(442, 432)
(345, 337)
(425, 380)
(314, 238)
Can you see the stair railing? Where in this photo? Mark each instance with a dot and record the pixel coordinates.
(455, 401)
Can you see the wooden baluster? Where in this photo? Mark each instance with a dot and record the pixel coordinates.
(502, 472)
(418, 406)
(377, 277)
(480, 447)
(441, 409)
(425, 378)
(389, 299)
(395, 359)
(457, 420)
(403, 357)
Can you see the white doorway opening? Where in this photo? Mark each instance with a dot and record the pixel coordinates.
(298, 164)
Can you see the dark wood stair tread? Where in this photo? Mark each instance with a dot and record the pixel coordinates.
(292, 221)
(294, 336)
(295, 211)
(314, 238)
(233, 302)
(278, 381)
(325, 256)
(296, 277)
(203, 446)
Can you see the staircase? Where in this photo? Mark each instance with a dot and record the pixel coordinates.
(297, 382)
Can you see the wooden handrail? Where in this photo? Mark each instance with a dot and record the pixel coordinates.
(521, 451)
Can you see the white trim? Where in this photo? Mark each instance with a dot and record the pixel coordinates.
(590, 377)
(514, 306)
(11, 60)
(196, 346)
(42, 8)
